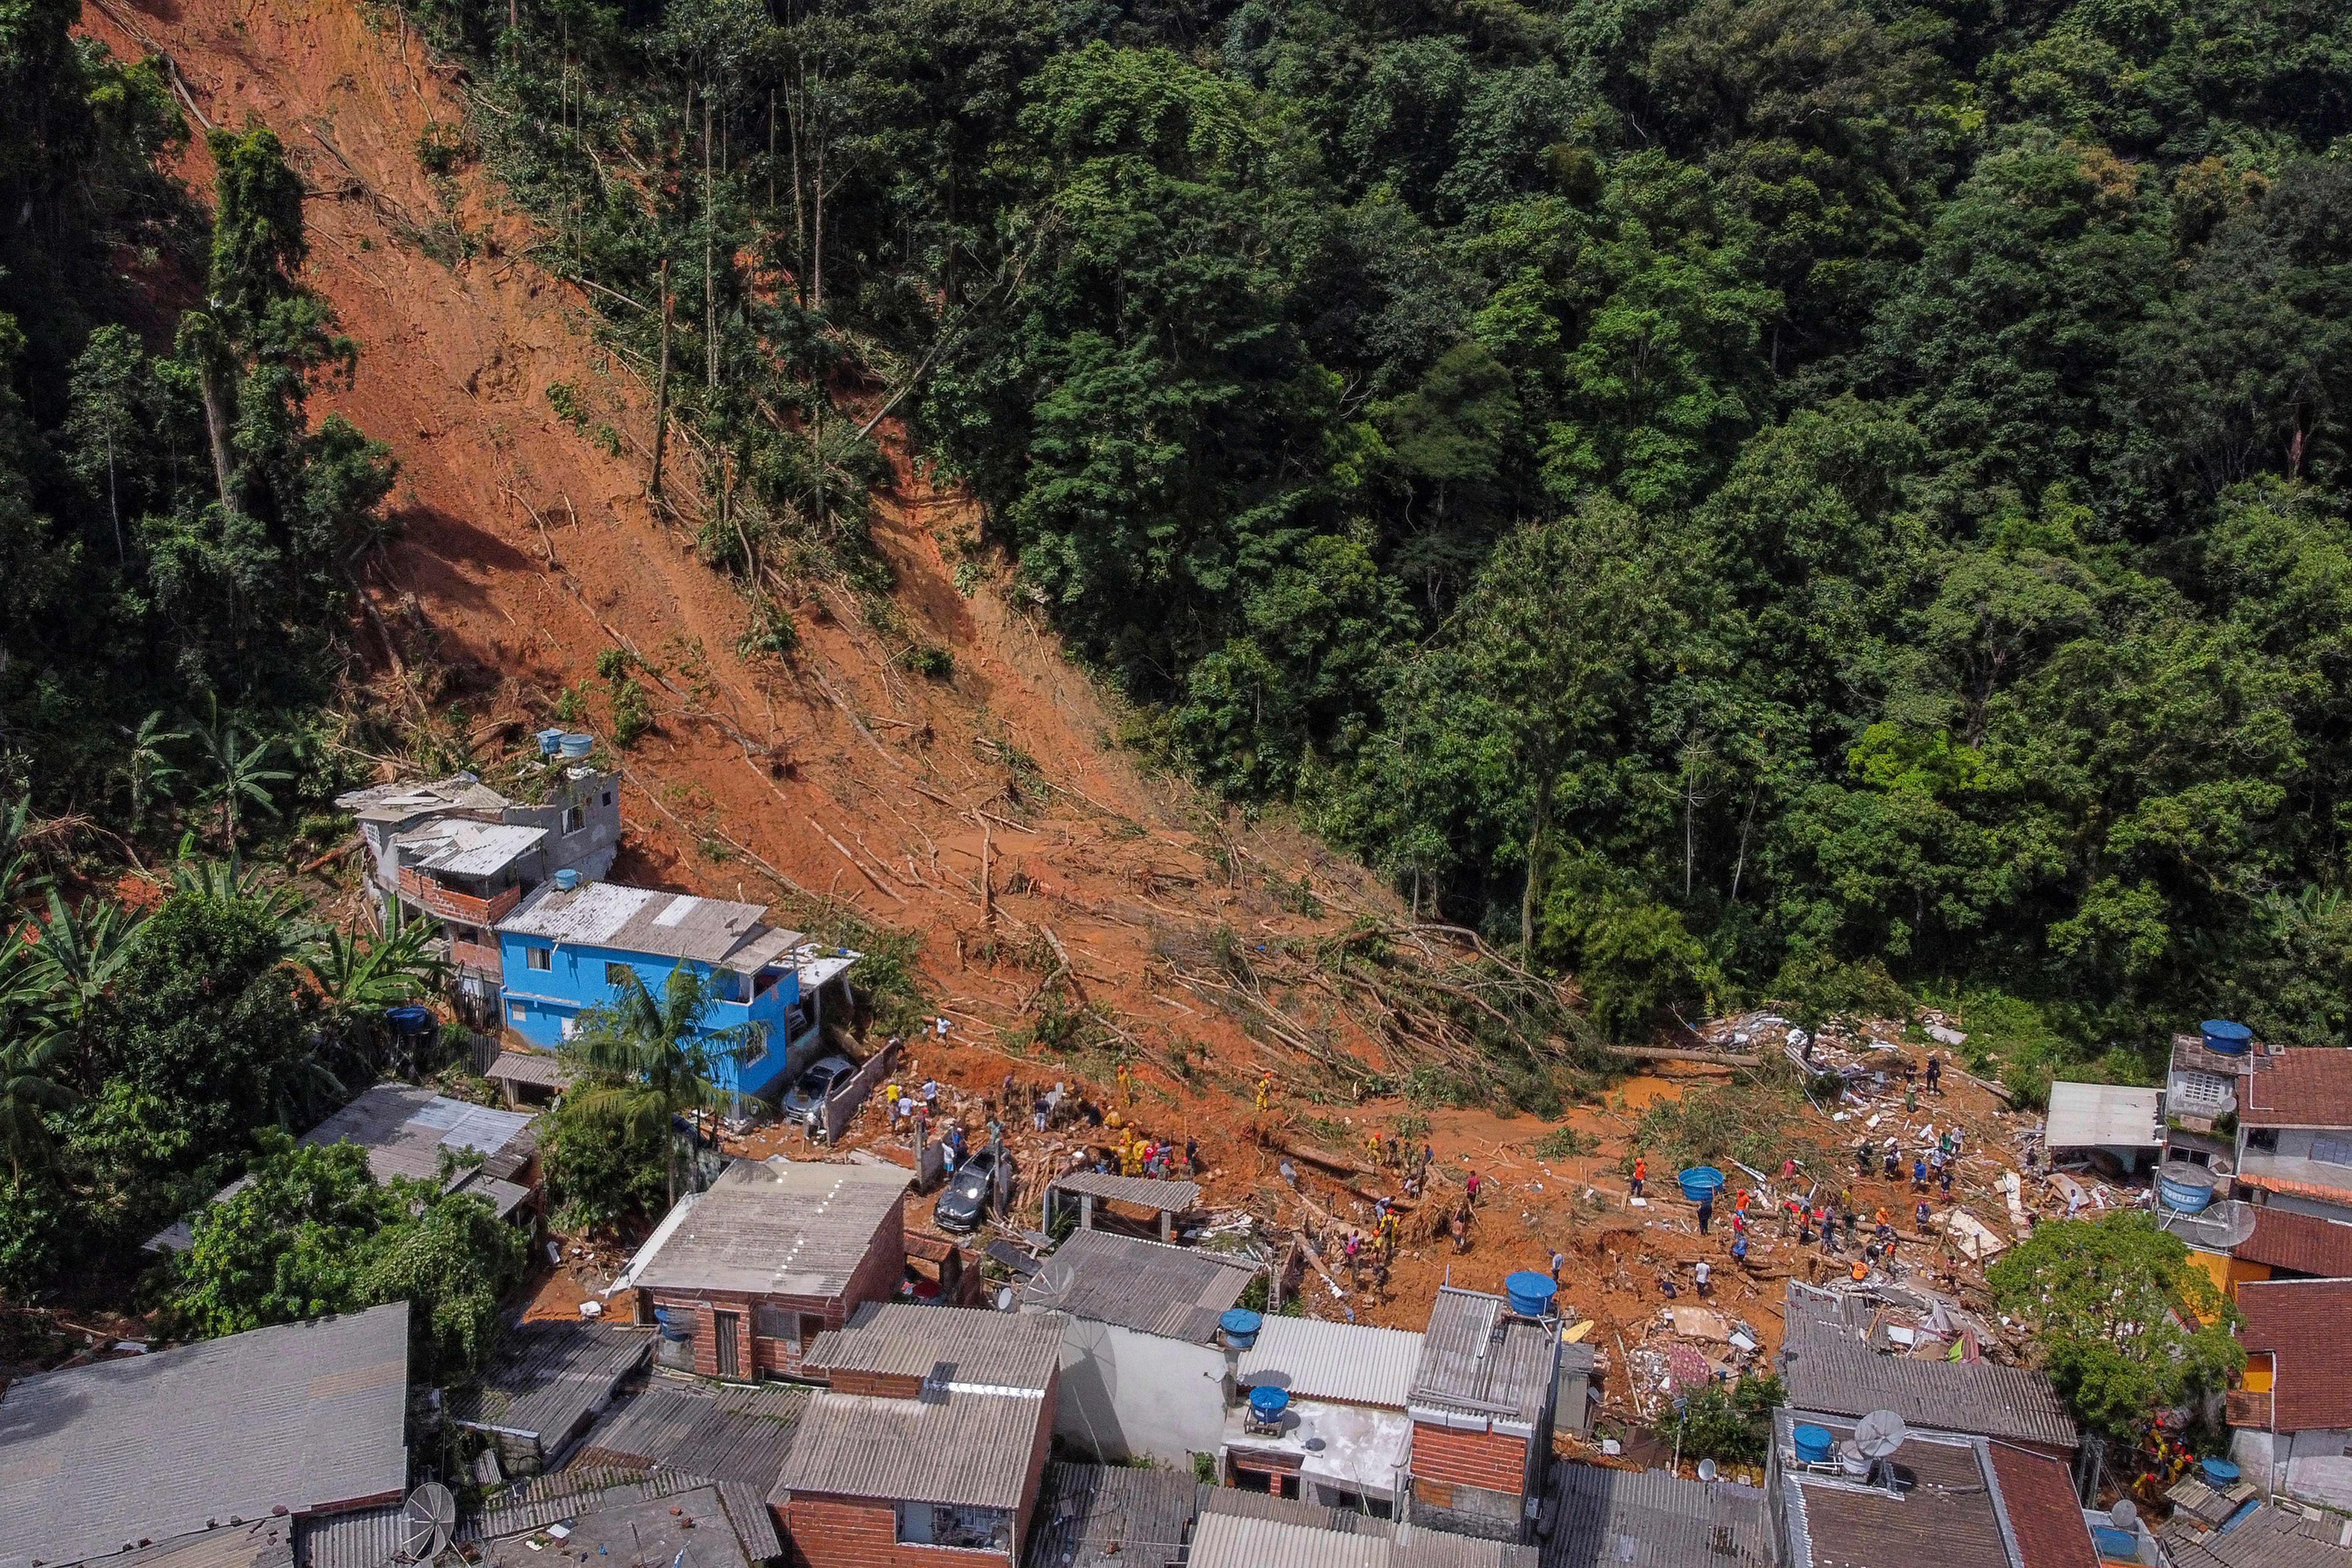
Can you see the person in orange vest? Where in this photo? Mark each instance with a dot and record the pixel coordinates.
(1266, 1089)
(1641, 1175)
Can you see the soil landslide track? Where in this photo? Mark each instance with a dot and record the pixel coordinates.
(527, 547)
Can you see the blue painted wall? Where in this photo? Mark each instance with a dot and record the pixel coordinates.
(539, 1003)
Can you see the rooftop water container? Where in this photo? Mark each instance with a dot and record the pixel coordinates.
(1528, 1292)
(550, 742)
(567, 879)
(2225, 1038)
(414, 1024)
(1241, 1326)
(576, 746)
(1815, 1444)
(2184, 1187)
(1268, 1403)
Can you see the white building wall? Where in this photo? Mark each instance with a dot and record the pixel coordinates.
(2310, 1466)
(1127, 1394)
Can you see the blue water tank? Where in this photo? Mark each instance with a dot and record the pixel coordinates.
(567, 878)
(2115, 1545)
(2225, 1038)
(1241, 1326)
(1700, 1182)
(1266, 1404)
(413, 1023)
(577, 746)
(1815, 1444)
(2220, 1472)
(550, 742)
(1528, 1292)
(2184, 1187)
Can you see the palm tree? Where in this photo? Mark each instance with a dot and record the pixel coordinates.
(74, 960)
(362, 978)
(239, 768)
(149, 769)
(652, 1056)
(29, 1062)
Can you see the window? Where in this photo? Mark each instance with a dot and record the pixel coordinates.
(2332, 1151)
(575, 818)
(608, 797)
(945, 1524)
(774, 1322)
(795, 1021)
(540, 958)
(766, 981)
(617, 973)
(515, 1013)
(755, 1051)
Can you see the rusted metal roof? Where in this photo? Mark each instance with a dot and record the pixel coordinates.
(539, 1069)
(2267, 1538)
(969, 1449)
(945, 1345)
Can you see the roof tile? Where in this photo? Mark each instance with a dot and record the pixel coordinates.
(2310, 1088)
(2299, 1322)
(2303, 1243)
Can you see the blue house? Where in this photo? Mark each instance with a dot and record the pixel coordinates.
(567, 948)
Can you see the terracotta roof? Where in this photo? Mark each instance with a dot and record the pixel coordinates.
(2302, 1242)
(2303, 1089)
(2298, 1322)
(2039, 1498)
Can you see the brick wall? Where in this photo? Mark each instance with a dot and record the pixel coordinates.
(858, 1532)
(1488, 1459)
(778, 1357)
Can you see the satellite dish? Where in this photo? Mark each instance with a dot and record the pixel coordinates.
(425, 1521)
(1707, 1471)
(1879, 1434)
(2126, 1514)
(1056, 1279)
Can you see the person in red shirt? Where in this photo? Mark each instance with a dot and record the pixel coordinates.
(1470, 1186)
(1641, 1175)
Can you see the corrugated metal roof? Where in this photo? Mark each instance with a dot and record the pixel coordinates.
(1346, 1361)
(1109, 1516)
(944, 1345)
(731, 1434)
(1174, 1291)
(1418, 1546)
(398, 802)
(268, 1543)
(1480, 1361)
(365, 1538)
(619, 1516)
(303, 1416)
(2105, 1116)
(2267, 1538)
(457, 847)
(1830, 1367)
(640, 919)
(547, 1378)
(968, 1448)
(1229, 1541)
(1288, 1510)
(540, 1069)
(1652, 1518)
(774, 1228)
(1175, 1196)
(1950, 1518)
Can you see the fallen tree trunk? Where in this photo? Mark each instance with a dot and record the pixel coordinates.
(1670, 1054)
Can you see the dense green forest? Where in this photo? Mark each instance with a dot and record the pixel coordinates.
(1741, 497)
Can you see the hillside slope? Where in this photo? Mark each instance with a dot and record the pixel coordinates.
(526, 548)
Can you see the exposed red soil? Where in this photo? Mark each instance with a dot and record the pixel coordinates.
(527, 549)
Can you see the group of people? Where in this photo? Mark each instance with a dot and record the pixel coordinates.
(1157, 1159)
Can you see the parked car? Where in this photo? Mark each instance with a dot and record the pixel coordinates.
(964, 1205)
(803, 1103)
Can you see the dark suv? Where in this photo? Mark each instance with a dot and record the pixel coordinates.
(965, 1204)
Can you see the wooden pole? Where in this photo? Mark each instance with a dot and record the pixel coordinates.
(661, 388)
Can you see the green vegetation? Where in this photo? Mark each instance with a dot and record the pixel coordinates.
(2125, 1323)
(646, 1064)
(1803, 498)
(1733, 1423)
(314, 1233)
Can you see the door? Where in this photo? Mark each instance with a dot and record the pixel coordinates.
(727, 1332)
